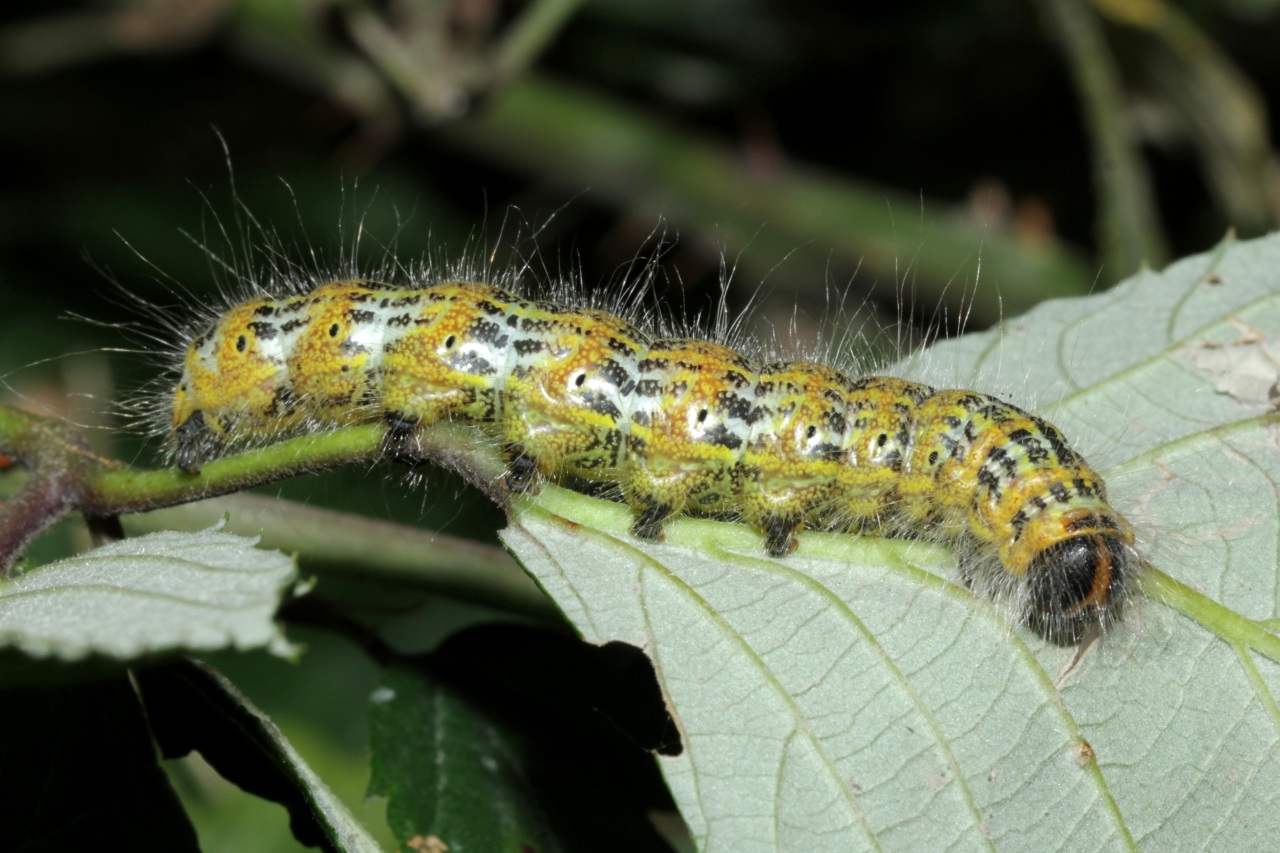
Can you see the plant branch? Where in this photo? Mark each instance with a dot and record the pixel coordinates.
(65, 475)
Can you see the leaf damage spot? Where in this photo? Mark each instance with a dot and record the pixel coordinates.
(426, 844)
(1084, 753)
(567, 523)
(1247, 369)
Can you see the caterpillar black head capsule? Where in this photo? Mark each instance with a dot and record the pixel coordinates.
(1076, 586)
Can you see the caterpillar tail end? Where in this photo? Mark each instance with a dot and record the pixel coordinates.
(1076, 586)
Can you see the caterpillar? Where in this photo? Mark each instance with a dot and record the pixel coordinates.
(674, 425)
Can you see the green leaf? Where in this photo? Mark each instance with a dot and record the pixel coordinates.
(450, 771)
(510, 737)
(854, 695)
(161, 593)
(190, 706)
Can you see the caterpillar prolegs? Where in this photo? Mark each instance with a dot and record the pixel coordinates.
(677, 425)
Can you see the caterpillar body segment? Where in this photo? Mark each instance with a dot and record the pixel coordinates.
(572, 382)
(690, 425)
(677, 425)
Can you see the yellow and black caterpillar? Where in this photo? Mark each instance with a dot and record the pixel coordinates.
(677, 425)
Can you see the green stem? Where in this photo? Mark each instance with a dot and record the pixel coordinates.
(1221, 621)
(337, 543)
(1129, 227)
(527, 37)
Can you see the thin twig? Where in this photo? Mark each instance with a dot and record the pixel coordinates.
(1129, 226)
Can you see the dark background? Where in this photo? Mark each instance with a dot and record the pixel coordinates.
(944, 162)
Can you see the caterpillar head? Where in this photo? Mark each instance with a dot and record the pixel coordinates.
(233, 381)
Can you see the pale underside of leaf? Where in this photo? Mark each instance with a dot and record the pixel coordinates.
(854, 695)
(154, 594)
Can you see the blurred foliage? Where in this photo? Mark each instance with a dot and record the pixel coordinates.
(935, 161)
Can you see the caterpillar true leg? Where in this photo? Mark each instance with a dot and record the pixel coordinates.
(522, 474)
(192, 439)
